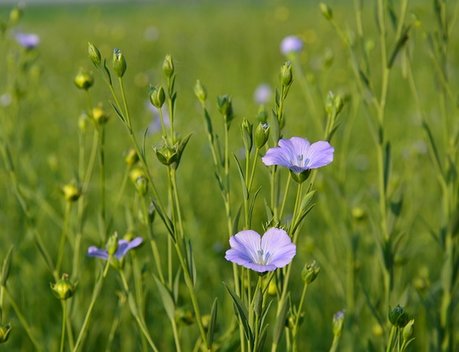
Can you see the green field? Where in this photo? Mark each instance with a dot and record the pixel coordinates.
(384, 227)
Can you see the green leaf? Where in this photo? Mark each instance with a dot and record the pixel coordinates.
(118, 113)
(433, 146)
(166, 298)
(387, 161)
(241, 312)
(245, 191)
(6, 267)
(212, 324)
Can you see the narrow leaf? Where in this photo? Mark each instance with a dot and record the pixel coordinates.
(241, 312)
(166, 298)
(212, 324)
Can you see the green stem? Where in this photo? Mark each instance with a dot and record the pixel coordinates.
(101, 131)
(64, 319)
(287, 187)
(64, 235)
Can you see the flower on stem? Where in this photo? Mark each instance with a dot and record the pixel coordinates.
(291, 44)
(28, 41)
(261, 253)
(300, 156)
(124, 246)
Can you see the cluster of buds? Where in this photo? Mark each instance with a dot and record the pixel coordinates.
(310, 272)
(170, 155)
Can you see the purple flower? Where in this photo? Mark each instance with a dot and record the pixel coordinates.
(262, 94)
(299, 155)
(123, 247)
(291, 44)
(27, 41)
(274, 250)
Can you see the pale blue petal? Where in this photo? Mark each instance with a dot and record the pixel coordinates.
(247, 243)
(300, 145)
(279, 245)
(319, 154)
(125, 246)
(97, 252)
(261, 268)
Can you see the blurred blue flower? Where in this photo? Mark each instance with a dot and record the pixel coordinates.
(291, 44)
(262, 94)
(123, 247)
(27, 40)
(274, 250)
(299, 155)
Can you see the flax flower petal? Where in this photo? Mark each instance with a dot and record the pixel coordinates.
(279, 245)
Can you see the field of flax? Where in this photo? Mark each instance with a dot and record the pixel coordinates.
(214, 176)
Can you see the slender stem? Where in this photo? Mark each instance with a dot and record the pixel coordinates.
(101, 131)
(287, 187)
(64, 234)
(64, 319)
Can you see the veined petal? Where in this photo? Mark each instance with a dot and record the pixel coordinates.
(125, 246)
(279, 245)
(319, 154)
(97, 252)
(277, 156)
(247, 243)
(300, 145)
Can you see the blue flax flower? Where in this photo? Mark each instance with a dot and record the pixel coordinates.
(291, 44)
(123, 247)
(261, 253)
(27, 41)
(299, 155)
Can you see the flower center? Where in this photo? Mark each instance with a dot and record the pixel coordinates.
(263, 257)
(300, 162)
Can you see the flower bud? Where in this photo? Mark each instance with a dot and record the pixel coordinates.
(272, 288)
(5, 330)
(200, 91)
(246, 130)
(141, 185)
(310, 272)
(262, 114)
(83, 80)
(157, 97)
(99, 115)
(112, 244)
(136, 173)
(71, 192)
(286, 74)
(94, 54)
(131, 157)
(83, 122)
(408, 330)
(338, 321)
(63, 289)
(15, 15)
(398, 317)
(358, 213)
(261, 134)
(119, 63)
(168, 66)
(326, 11)
(225, 107)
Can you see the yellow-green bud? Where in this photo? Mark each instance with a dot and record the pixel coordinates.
(83, 122)
(5, 330)
(84, 80)
(310, 272)
(225, 107)
(112, 244)
(358, 213)
(15, 15)
(136, 173)
(200, 91)
(408, 330)
(94, 54)
(63, 289)
(286, 74)
(261, 134)
(71, 192)
(326, 11)
(157, 97)
(398, 317)
(141, 185)
(99, 115)
(119, 63)
(131, 157)
(247, 138)
(168, 66)
(333, 104)
(272, 288)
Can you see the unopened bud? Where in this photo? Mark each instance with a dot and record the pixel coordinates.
(407, 332)
(63, 289)
(326, 11)
(71, 192)
(398, 317)
(136, 173)
(247, 138)
(286, 74)
(141, 185)
(119, 63)
(338, 321)
(83, 122)
(99, 115)
(225, 107)
(84, 80)
(15, 15)
(168, 66)
(131, 157)
(310, 272)
(94, 54)
(157, 97)
(5, 330)
(261, 134)
(200, 92)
